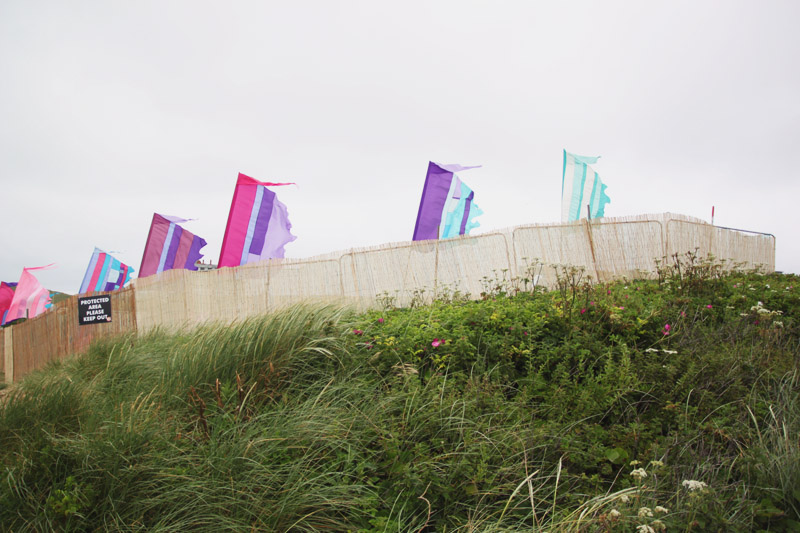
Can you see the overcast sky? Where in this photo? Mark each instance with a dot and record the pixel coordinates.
(110, 111)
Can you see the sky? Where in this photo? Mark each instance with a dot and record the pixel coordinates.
(111, 111)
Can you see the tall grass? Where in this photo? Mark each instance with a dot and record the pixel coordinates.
(318, 419)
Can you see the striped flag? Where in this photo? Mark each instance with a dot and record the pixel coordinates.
(6, 297)
(105, 273)
(581, 186)
(258, 224)
(30, 298)
(446, 208)
(169, 246)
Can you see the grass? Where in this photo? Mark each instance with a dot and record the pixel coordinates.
(524, 411)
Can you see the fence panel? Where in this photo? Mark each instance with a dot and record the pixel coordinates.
(466, 264)
(626, 248)
(393, 271)
(55, 334)
(564, 244)
(296, 281)
(748, 249)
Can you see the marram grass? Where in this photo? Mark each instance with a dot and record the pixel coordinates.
(565, 411)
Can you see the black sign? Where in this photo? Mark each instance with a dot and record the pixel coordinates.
(94, 309)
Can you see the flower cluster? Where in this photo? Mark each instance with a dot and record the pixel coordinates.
(693, 485)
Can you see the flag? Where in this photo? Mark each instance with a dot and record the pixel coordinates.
(581, 186)
(446, 208)
(6, 296)
(30, 298)
(105, 273)
(169, 246)
(258, 224)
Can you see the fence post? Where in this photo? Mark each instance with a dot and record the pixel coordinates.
(9, 355)
(591, 247)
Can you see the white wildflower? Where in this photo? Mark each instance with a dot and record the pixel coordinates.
(614, 513)
(658, 525)
(766, 285)
(778, 324)
(660, 509)
(656, 464)
(644, 528)
(691, 484)
(639, 474)
(624, 498)
(743, 314)
(645, 512)
(635, 462)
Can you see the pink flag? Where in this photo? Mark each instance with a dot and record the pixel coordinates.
(6, 295)
(30, 298)
(258, 224)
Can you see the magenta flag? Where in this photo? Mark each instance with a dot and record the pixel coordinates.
(258, 224)
(170, 246)
(30, 298)
(6, 296)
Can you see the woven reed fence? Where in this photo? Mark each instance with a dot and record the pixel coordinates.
(399, 272)
(402, 272)
(55, 334)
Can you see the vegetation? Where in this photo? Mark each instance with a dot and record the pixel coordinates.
(640, 405)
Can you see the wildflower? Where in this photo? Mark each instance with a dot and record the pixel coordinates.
(645, 512)
(635, 462)
(708, 306)
(624, 498)
(614, 514)
(666, 329)
(639, 474)
(583, 310)
(358, 332)
(381, 321)
(644, 528)
(693, 485)
(524, 332)
(766, 285)
(660, 509)
(658, 525)
(621, 308)
(591, 303)
(436, 343)
(778, 324)
(683, 314)
(656, 464)
(368, 346)
(609, 291)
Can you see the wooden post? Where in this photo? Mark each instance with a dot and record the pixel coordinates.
(9, 354)
(591, 241)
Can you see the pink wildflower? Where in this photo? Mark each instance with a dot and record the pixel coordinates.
(358, 332)
(436, 343)
(524, 332)
(583, 310)
(708, 306)
(683, 314)
(609, 291)
(667, 328)
(381, 321)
